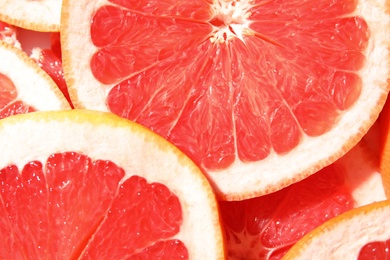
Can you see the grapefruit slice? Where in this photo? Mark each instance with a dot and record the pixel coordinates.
(266, 227)
(37, 15)
(361, 233)
(24, 86)
(260, 94)
(84, 184)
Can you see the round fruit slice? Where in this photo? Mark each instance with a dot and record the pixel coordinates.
(37, 15)
(361, 233)
(83, 184)
(267, 226)
(260, 94)
(24, 86)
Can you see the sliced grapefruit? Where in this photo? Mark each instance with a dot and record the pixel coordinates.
(83, 184)
(37, 15)
(24, 86)
(260, 94)
(266, 227)
(361, 233)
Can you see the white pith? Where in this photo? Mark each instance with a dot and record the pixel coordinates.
(34, 86)
(131, 147)
(361, 177)
(42, 15)
(244, 180)
(344, 236)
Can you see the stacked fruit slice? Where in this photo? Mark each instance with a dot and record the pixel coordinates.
(260, 94)
(362, 233)
(82, 184)
(41, 15)
(267, 226)
(25, 87)
(264, 104)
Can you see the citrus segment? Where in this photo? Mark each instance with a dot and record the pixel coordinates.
(136, 198)
(41, 15)
(267, 226)
(347, 234)
(24, 86)
(84, 184)
(8, 103)
(8, 92)
(375, 250)
(248, 89)
(271, 224)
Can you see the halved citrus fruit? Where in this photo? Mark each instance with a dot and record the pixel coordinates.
(260, 94)
(267, 226)
(361, 233)
(38, 15)
(24, 86)
(84, 184)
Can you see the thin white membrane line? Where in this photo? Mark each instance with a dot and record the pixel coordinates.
(188, 97)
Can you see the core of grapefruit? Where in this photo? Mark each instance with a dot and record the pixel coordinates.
(38, 15)
(268, 226)
(83, 184)
(24, 86)
(260, 94)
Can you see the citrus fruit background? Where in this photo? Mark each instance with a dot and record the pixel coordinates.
(246, 89)
(260, 226)
(86, 184)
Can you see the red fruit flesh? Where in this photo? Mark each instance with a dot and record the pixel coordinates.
(266, 227)
(9, 105)
(48, 60)
(74, 206)
(379, 250)
(55, 44)
(289, 73)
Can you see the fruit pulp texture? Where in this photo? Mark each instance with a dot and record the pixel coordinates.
(73, 207)
(50, 61)
(375, 251)
(6, 31)
(222, 79)
(9, 105)
(266, 227)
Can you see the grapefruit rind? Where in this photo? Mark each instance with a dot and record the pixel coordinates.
(243, 180)
(343, 236)
(358, 176)
(384, 139)
(42, 15)
(130, 146)
(385, 168)
(362, 176)
(33, 85)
